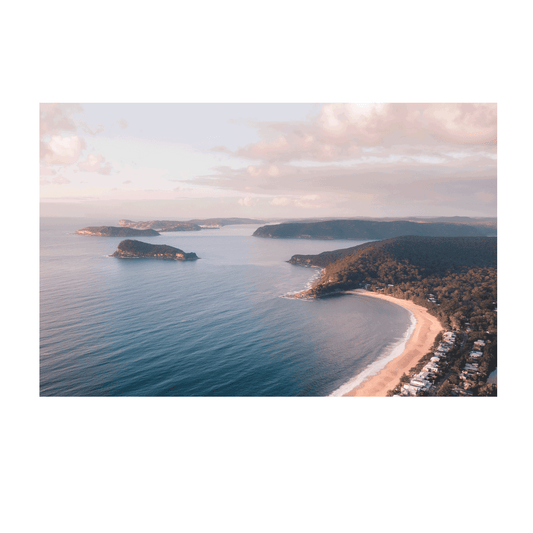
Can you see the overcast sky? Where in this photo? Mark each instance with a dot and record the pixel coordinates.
(267, 160)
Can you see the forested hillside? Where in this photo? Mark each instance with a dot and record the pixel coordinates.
(369, 229)
(458, 272)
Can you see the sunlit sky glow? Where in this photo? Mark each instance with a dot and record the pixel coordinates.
(267, 160)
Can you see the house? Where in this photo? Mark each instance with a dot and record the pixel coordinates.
(475, 354)
(431, 368)
(422, 383)
(479, 343)
(411, 390)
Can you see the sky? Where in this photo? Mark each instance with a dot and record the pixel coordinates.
(268, 160)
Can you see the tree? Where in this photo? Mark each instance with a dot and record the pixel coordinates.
(445, 390)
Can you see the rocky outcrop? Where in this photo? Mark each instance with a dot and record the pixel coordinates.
(131, 249)
(113, 231)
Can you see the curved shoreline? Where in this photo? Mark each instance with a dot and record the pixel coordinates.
(419, 343)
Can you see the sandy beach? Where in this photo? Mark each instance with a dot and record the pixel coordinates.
(426, 329)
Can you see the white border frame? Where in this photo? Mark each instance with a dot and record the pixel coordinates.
(31, 95)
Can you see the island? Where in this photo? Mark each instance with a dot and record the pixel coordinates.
(131, 249)
(370, 229)
(182, 226)
(190, 225)
(113, 231)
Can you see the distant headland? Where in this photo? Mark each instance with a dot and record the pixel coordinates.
(114, 231)
(190, 225)
(374, 229)
(131, 249)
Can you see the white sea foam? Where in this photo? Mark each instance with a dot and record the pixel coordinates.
(308, 285)
(393, 351)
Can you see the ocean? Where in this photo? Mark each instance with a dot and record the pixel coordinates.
(220, 326)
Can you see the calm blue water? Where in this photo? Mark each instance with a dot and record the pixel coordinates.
(219, 326)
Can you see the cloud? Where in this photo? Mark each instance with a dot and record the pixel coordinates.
(308, 201)
(85, 127)
(341, 131)
(59, 144)
(461, 123)
(62, 150)
(221, 149)
(282, 201)
(247, 202)
(95, 163)
(60, 180)
(415, 179)
(57, 118)
(123, 123)
(487, 197)
(45, 171)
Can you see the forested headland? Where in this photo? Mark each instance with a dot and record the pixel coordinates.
(455, 278)
(372, 229)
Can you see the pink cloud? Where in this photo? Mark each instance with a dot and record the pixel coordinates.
(62, 150)
(308, 201)
(59, 145)
(247, 202)
(85, 127)
(462, 123)
(56, 118)
(341, 130)
(60, 180)
(45, 171)
(95, 163)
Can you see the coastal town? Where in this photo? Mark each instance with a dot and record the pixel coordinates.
(458, 366)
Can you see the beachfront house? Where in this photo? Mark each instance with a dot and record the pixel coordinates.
(413, 390)
(432, 366)
(422, 383)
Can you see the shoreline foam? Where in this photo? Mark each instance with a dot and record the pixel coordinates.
(308, 285)
(377, 382)
(393, 351)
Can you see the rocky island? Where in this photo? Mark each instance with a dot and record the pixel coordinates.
(131, 249)
(113, 231)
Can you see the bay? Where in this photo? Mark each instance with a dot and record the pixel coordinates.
(219, 326)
